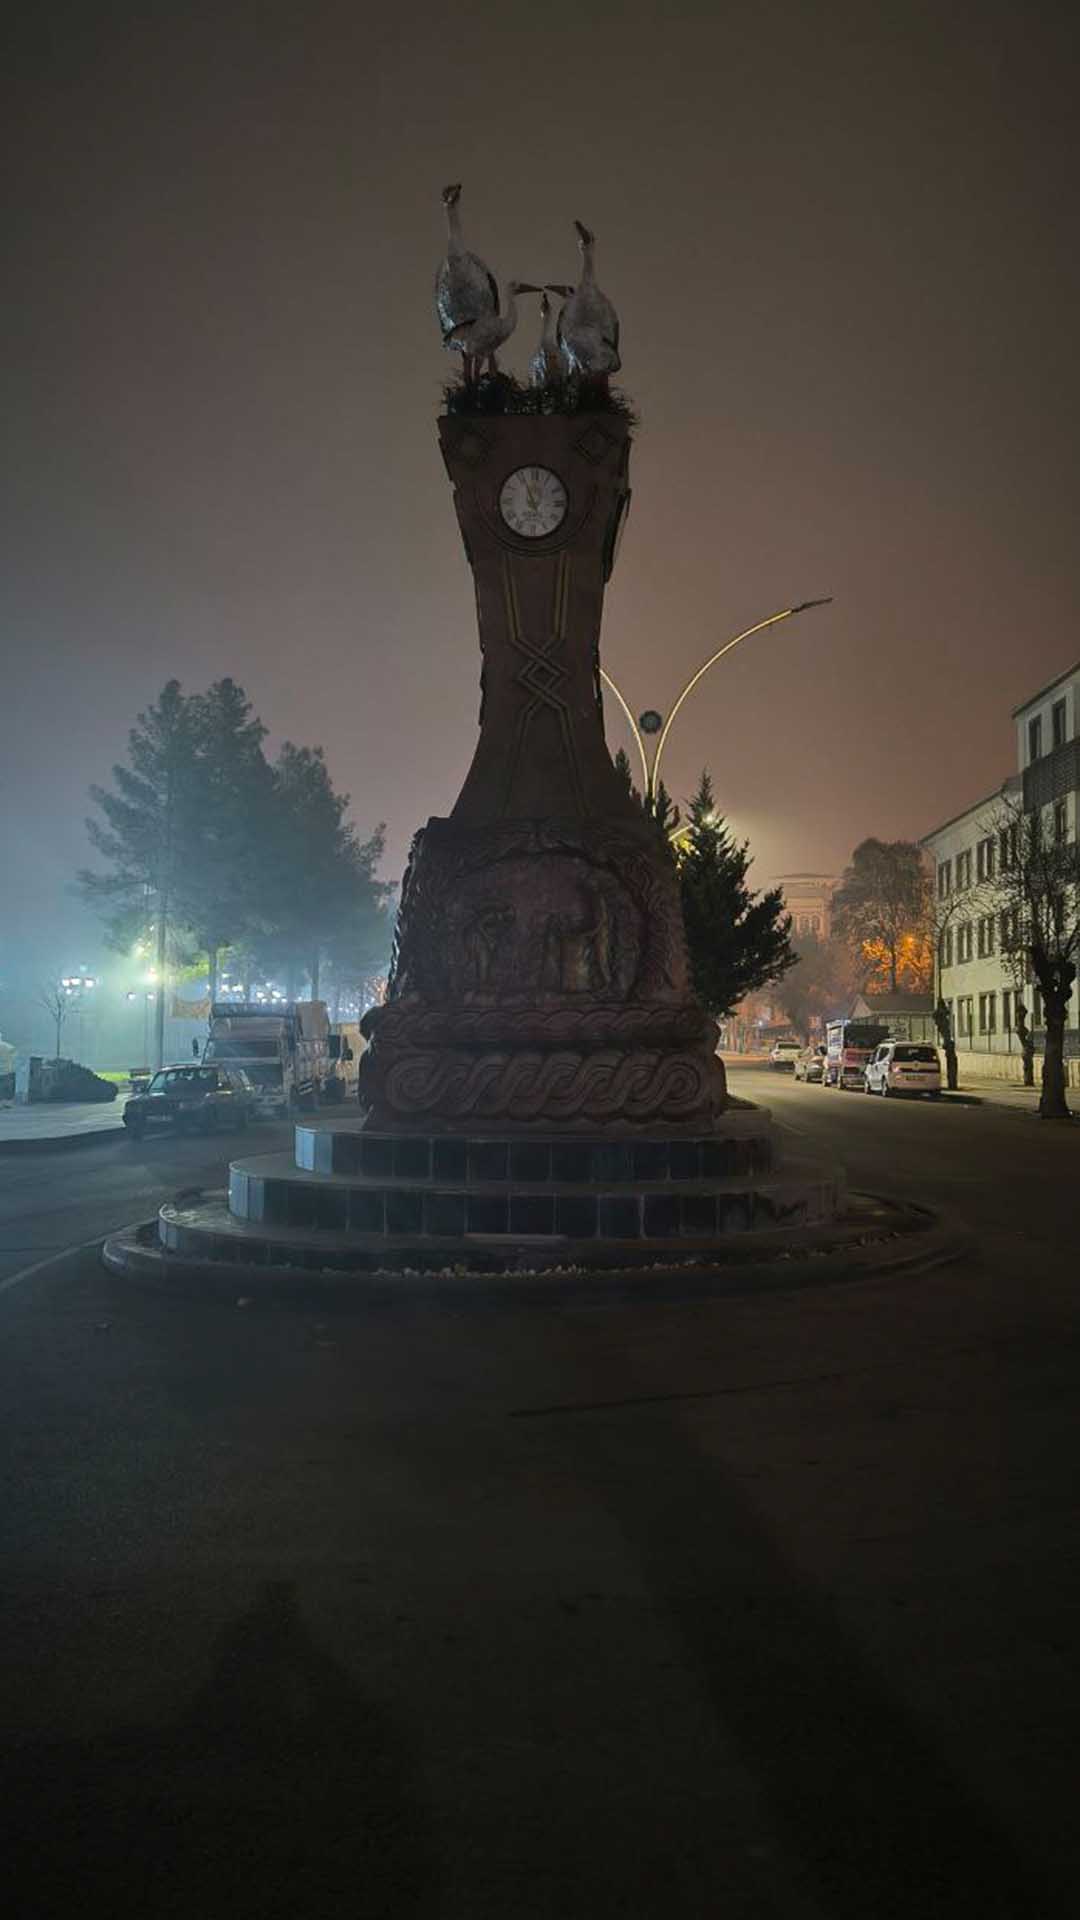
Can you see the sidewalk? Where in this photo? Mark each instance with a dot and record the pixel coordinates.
(1009, 1093)
(59, 1124)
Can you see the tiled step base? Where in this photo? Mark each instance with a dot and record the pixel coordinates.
(270, 1192)
(483, 1230)
(742, 1144)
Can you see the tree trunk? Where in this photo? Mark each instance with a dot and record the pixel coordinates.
(1027, 1044)
(315, 974)
(1052, 1102)
(892, 968)
(212, 972)
(59, 1031)
(1055, 977)
(943, 1023)
(159, 1007)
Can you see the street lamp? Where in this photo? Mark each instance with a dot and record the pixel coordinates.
(77, 986)
(651, 722)
(147, 1002)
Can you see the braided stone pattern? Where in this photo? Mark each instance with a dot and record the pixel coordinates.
(551, 1088)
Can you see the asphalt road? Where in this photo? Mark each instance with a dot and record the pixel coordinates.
(56, 1200)
(761, 1607)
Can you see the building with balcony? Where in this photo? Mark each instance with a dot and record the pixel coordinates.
(977, 971)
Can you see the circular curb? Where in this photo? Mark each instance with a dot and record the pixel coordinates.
(919, 1242)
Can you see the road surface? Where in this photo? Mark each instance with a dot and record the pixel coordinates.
(759, 1607)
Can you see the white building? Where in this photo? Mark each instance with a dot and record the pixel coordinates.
(972, 971)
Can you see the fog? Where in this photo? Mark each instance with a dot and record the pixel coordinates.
(841, 241)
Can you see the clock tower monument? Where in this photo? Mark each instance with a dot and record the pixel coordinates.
(540, 976)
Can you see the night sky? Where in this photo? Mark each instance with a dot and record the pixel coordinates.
(843, 243)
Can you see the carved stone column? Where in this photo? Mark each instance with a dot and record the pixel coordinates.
(540, 975)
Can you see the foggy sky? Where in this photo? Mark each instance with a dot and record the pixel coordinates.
(842, 242)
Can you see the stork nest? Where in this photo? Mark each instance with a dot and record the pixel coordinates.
(501, 393)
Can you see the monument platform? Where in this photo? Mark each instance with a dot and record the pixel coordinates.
(349, 1200)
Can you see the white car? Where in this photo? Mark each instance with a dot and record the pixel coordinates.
(784, 1054)
(904, 1066)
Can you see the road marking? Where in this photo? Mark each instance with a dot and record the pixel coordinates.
(27, 1273)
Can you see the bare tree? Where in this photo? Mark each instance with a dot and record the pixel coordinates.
(56, 1001)
(1036, 889)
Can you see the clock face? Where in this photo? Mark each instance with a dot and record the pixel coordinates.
(533, 502)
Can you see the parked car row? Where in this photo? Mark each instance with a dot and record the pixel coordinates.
(892, 1067)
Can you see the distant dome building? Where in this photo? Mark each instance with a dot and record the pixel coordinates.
(809, 902)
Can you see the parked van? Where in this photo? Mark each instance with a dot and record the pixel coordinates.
(903, 1066)
(848, 1046)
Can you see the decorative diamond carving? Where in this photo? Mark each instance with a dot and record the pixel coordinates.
(594, 444)
(471, 446)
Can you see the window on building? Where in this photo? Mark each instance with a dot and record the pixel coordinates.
(944, 878)
(1008, 928)
(984, 858)
(1007, 846)
(1035, 738)
(988, 1013)
(965, 1009)
(963, 942)
(963, 870)
(1006, 1010)
(986, 936)
(1061, 822)
(1036, 1007)
(945, 949)
(1057, 723)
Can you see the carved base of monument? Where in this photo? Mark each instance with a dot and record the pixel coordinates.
(540, 982)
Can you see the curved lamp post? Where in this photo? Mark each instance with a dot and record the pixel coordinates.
(652, 773)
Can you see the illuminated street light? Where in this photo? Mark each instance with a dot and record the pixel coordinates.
(76, 987)
(652, 723)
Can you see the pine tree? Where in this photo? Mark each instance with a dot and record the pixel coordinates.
(150, 837)
(322, 884)
(737, 939)
(662, 810)
(222, 894)
(625, 772)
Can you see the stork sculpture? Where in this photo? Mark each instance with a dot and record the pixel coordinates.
(466, 291)
(546, 364)
(588, 326)
(480, 339)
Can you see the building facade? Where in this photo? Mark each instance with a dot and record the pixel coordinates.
(977, 971)
(808, 898)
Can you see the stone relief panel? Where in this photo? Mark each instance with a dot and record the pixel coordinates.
(533, 908)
